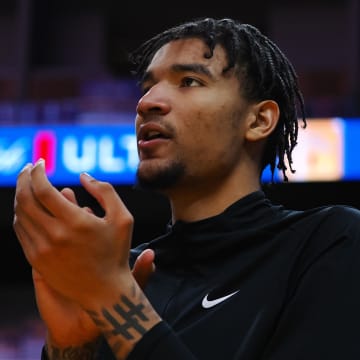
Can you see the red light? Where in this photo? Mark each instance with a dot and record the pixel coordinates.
(45, 148)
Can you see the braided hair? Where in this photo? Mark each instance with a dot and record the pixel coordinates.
(264, 71)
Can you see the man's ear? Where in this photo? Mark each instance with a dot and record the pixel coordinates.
(262, 120)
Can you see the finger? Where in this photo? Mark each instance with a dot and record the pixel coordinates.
(23, 182)
(88, 210)
(34, 237)
(27, 167)
(26, 207)
(49, 197)
(25, 241)
(144, 267)
(107, 197)
(28, 212)
(69, 194)
(37, 224)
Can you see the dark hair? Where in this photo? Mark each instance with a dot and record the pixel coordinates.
(264, 70)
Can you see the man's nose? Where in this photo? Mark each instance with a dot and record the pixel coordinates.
(154, 101)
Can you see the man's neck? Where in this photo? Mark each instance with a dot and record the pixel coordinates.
(197, 204)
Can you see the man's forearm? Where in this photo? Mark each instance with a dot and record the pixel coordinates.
(125, 322)
(122, 324)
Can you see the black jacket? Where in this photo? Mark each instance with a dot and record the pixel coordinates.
(293, 277)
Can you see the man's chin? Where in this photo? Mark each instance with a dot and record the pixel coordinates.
(160, 181)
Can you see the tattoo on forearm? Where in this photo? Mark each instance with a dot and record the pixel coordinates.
(128, 312)
(124, 322)
(84, 352)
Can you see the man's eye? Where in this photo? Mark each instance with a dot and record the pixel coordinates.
(190, 82)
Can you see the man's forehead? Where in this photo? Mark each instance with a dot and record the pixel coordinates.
(188, 50)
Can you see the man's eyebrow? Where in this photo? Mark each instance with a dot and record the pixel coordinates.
(178, 68)
(196, 68)
(147, 76)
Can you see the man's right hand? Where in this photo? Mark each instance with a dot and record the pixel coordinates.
(68, 325)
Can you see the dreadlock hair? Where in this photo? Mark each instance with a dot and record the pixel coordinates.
(264, 72)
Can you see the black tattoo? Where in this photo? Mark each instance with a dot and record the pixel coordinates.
(123, 321)
(95, 316)
(85, 352)
(129, 314)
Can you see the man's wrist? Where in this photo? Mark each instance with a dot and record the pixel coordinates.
(125, 320)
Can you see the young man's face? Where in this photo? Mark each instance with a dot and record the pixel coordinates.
(189, 121)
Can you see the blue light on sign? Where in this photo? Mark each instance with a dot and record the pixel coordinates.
(352, 149)
(328, 151)
(106, 152)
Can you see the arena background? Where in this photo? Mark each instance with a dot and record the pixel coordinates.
(65, 62)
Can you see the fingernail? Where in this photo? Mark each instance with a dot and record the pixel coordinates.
(87, 175)
(40, 162)
(26, 166)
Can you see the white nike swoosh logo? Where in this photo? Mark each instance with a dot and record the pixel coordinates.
(207, 304)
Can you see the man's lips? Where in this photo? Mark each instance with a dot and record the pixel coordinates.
(150, 134)
(146, 145)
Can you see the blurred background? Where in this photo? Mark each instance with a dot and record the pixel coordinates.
(66, 94)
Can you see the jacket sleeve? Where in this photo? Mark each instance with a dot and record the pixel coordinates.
(321, 317)
(157, 344)
(160, 343)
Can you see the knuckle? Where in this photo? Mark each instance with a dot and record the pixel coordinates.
(123, 221)
(42, 192)
(105, 186)
(126, 221)
(58, 235)
(37, 257)
(82, 227)
(43, 251)
(21, 196)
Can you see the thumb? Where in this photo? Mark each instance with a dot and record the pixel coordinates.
(144, 267)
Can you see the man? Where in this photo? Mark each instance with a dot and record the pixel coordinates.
(235, 277)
